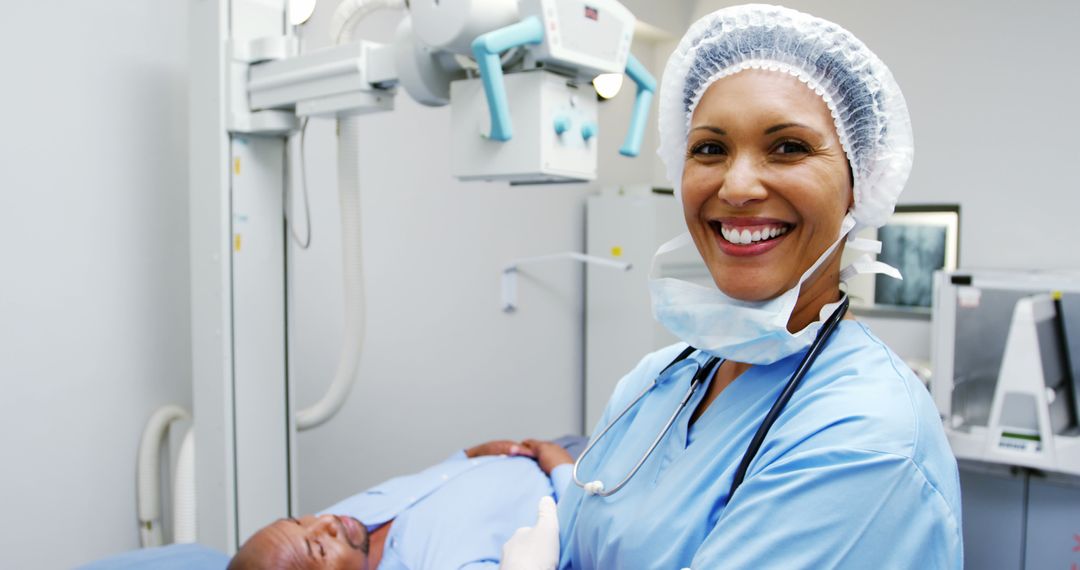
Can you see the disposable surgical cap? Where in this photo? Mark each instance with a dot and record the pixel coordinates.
(867, 107)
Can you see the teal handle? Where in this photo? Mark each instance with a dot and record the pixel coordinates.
(588, 130)
(646, 87)
(562, 124)
(486, 49)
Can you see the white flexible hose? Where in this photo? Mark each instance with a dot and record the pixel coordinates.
(148, 476)
(350, 12)
(184, 491)
(349, 359)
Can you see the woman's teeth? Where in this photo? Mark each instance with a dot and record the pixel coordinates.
(752, 235)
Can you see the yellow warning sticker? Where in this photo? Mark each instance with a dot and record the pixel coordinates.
(236, 242)
(236, 166)
(616, 251)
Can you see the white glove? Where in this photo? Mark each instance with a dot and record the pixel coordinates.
(535, 548)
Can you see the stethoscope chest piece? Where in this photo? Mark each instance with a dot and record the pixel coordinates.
(597, 487)
(594, 487)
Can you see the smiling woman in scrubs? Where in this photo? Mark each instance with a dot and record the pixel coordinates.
(781, 133)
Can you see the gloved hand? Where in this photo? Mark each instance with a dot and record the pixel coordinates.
(535, 548)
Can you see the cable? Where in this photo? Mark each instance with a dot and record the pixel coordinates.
(352, 269)
(287, 204)
(350, 12)
(306, 242)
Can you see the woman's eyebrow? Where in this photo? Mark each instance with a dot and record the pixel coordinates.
(716, 130)
(782, 126)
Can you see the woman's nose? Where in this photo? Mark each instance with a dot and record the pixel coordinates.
(742, 184)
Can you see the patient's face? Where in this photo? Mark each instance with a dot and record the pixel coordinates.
(325, 541)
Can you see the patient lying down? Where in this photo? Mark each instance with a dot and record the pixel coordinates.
(456, 514)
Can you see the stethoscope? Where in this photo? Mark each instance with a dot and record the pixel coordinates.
(597, 487)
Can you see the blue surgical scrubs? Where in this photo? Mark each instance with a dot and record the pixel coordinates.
(456, 514)
(856, 473)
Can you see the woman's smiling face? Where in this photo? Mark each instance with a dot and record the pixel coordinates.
(766, 182)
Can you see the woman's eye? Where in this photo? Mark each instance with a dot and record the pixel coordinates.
(708, 149)
(792, 147)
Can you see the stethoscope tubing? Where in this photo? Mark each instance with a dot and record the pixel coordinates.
(785, 396)
(823, 335)
(699, 377)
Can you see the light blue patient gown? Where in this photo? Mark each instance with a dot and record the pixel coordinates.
(456, 514)
(856, 473)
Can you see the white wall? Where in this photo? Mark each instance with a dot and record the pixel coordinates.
(443, 366)
(94, 291)
(991, 86)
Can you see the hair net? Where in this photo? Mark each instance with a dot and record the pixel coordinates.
(867, 107)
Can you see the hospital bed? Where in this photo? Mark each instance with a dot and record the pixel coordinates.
(200, 557)
(171, 557)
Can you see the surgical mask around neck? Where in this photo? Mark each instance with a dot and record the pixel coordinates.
(753, 332)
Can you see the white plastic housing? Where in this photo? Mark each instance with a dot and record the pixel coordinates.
(452, 25)
(536, 153)
(1021, 403)
(591, 36)
(418, 68)
(329, 81)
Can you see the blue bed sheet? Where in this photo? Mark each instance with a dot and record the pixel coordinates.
(171, 557)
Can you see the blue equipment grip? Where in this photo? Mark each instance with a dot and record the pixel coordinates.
(646, 87)
(486, 49)
(589, 129)
(562, 124)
